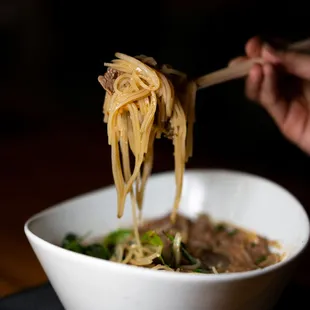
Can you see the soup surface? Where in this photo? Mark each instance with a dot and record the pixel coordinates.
(196, 246)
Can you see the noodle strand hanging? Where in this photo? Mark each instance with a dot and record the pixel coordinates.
(142, 104)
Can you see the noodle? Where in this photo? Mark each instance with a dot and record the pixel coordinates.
(211, 248)
(142, 107)
(176, 248)
(141, 104)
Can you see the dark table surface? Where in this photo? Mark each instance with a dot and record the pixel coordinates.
(44, 298)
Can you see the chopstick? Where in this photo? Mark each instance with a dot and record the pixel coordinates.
(241, 70)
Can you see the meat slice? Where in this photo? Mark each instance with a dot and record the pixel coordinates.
(201, 235)
(209, 259)
(258, 249)
(107, 80)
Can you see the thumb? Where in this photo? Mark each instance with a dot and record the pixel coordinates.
(294, 63)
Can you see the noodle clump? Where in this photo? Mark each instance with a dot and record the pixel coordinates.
(143, 106)
(142, 103)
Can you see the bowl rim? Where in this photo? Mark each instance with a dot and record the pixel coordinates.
(145, 272)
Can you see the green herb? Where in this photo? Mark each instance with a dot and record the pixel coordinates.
(232, 232)
(260, 259)
(117, 236)
(201, 270)
(97, 250)
(186, 255)
(152, 238)
(170, 237)
(220, 227)
(162, 260)
(72, 242)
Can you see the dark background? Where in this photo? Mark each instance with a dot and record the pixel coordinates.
(52, 52)
(53, 142)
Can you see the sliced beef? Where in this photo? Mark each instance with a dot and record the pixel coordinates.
(227, 248)
(201, 235)
(108, 79)
(210, 258)
(222, 246)
(258, 249)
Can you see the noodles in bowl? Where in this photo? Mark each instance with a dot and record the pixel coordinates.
(143, 102)
(199, 246)
(90, 273)
(125, 267)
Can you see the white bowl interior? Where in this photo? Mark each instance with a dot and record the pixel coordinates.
(245, 200)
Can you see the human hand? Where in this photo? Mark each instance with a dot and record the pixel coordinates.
(282, 87)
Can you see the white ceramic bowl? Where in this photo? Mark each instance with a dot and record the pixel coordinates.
(86, 283)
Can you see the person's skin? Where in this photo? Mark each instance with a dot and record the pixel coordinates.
(282, 87)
